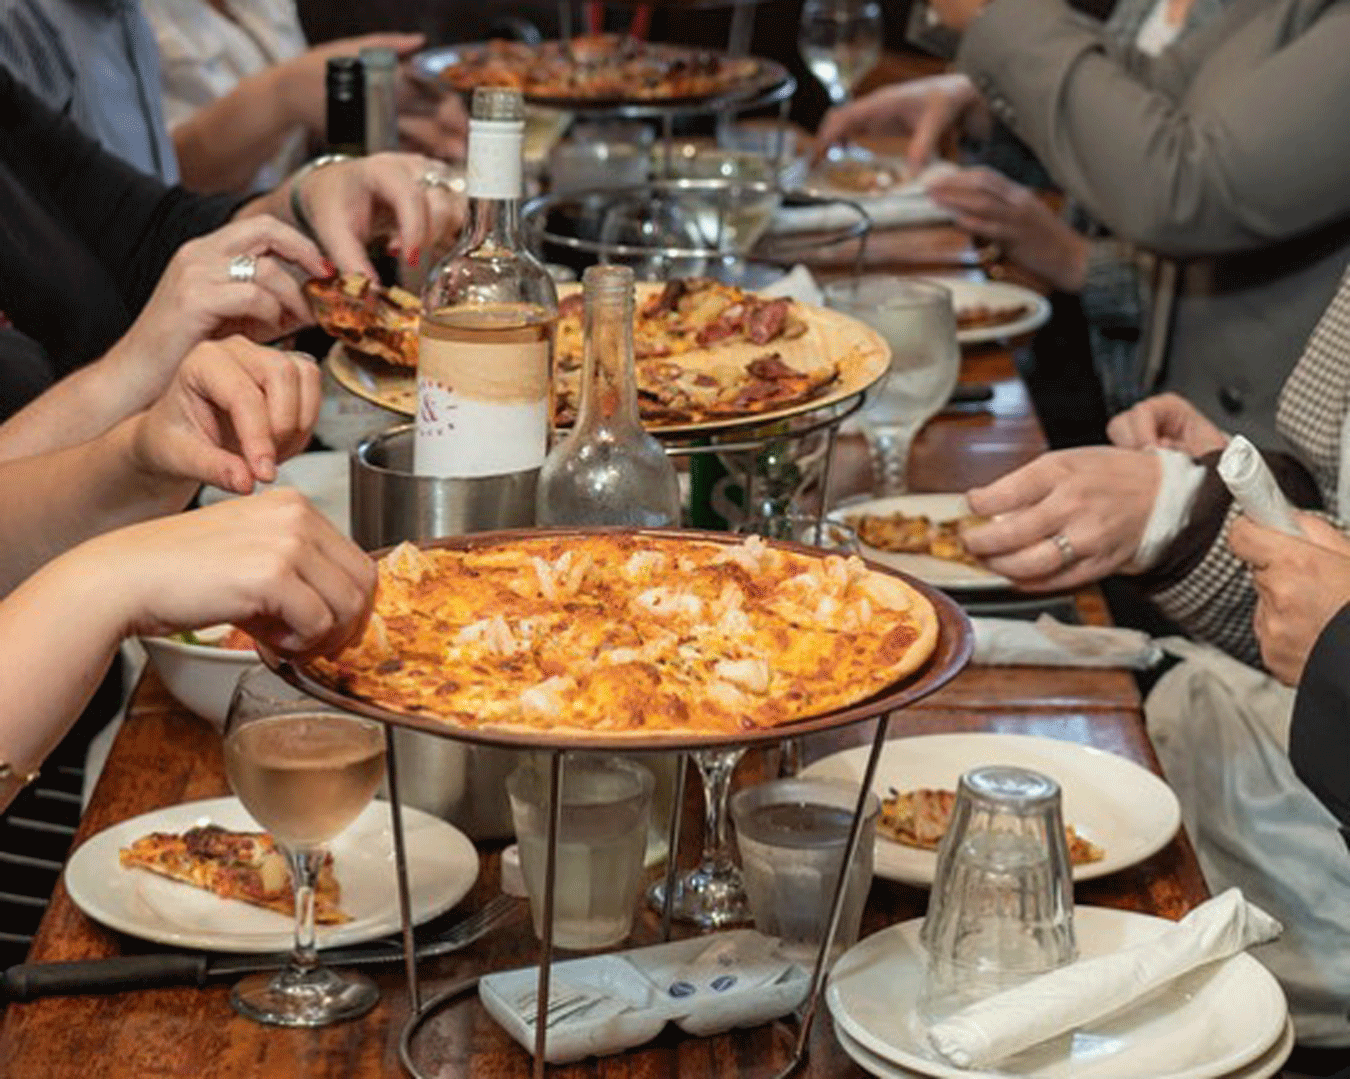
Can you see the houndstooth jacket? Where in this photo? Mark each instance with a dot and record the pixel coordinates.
(1215, 601)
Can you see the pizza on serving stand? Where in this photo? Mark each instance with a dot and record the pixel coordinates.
(618, 634)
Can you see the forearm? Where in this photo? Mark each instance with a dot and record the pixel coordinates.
(222, 146)
(57, 500)
(59, 630)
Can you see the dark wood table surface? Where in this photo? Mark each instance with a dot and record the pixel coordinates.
(165, 755)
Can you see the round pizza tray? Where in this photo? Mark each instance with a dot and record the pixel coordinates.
(861, 353)
(768, 76)
(954, 644)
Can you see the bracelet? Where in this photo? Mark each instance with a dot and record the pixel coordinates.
(297, 207)
(7, 772)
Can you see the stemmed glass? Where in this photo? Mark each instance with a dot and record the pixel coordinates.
(304, 772)
(840, 41)
(918, 321)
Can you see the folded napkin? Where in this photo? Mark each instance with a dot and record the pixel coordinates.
(797, 284)
(1048, 642)
(909, 204)
(1008, 1022)
(1253, 486)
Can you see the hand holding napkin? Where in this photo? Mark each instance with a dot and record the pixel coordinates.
(1047, 642)
(994, 1029)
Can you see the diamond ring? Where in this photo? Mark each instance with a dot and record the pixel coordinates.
(243, 268)
(1067, 555)
(437, 178)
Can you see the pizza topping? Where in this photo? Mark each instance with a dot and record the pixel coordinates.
(666, 634)
(916, 534)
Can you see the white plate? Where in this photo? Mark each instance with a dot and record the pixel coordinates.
(1126, 810)
(967, 293)
(1203, 1025)
(442, 867)
(323, 477)
(956, 576)
(1263, 1067)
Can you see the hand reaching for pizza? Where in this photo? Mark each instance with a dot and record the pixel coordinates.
(233, 411)
(198, 298)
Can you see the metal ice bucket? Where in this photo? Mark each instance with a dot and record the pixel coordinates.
(465, 784)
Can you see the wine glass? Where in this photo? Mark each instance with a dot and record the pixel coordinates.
(712, 894)
(918, 321)
(304, 771)
(840, 41)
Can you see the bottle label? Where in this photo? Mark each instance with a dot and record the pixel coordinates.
(482, 407)
(493, 168)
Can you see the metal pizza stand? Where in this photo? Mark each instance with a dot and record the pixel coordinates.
(952, 651)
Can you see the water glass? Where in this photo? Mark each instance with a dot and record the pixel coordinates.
(602, 840)
(792, 834)
(1001, 907)
(918, 322)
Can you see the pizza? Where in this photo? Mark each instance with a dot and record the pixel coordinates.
(902, 533)
(233, 865)
(618, 634)
(861, 177)
(919, 818)
(983, 316)
(703, 350)
(599, 67)
(378, 322)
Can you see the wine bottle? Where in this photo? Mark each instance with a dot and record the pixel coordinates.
(381, 80)
(345, 121)
(484, 372)
(608, 470)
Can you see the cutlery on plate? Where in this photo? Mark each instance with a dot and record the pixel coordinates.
(27, 981)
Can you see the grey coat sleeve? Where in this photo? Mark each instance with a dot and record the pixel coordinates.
(1224, 144)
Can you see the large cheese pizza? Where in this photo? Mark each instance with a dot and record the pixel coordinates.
(616, 634)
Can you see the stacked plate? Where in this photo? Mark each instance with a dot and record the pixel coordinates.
(1227, 1020)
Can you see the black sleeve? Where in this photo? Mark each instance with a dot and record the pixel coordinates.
(1319, 736)
(131, 222)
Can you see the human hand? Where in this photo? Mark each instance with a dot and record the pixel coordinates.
(431, 123)
(232, 412)
(958, 14)
(1300, 585)
(301, 81)
(988, 204)
(271, 564)
(1167, 420)
(198, 299)
(1067, 518)
(353, 202)
(924, 109)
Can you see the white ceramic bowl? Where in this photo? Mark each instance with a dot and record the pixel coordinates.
(200, 676)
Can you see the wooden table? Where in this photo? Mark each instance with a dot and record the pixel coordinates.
(165, 756)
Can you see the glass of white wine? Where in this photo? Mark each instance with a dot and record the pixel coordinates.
(304, 772)
(840, 42)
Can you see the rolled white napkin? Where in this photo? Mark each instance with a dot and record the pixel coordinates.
(1048, 642)
(1254, 489)
(994, 1029)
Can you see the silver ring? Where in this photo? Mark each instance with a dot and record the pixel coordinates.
(437, 178)
(243, 268)
(1067, 555)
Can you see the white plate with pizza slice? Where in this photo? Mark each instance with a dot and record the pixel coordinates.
(442, 867)
(948, 574)
(994, 310)
(1111, 802)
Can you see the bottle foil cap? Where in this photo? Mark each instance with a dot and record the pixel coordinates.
(497, 103)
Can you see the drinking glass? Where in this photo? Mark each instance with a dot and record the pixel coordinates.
(730, 195)
(1001, 906)
(918, 322)
(840, 41)
(304, 772)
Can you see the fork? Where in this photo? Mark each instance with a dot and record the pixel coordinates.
(477, 925)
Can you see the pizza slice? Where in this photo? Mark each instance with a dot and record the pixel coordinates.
(378, 322)
(901, 533)
(233, 865)
(920, 817)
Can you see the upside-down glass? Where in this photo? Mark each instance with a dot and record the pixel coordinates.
(1001, 906)
(840, 42)
(918, 321)
(304, 771)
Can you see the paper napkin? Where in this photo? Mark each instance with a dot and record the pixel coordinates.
(909, 204)
(1253, 486)
(1047, 642)
(993, 1029)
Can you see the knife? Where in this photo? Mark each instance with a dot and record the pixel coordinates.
(123, 973)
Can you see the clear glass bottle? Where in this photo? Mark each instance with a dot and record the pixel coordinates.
(608, 470)
(381, 72)
(345, 117)
(484, 385)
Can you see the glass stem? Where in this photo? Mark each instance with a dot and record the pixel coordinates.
(305, 865)
(716, 767)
